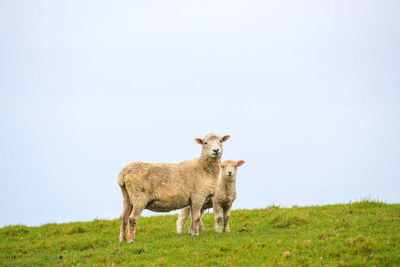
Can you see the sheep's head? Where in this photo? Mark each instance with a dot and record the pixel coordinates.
(212, 145)
(229, 167)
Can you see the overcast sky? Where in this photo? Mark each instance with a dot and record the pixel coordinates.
(308, 90)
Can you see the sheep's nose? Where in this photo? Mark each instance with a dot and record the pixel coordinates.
(216, 150)
(229, 173)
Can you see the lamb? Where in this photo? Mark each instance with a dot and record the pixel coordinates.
(164, 187)
(222, 201)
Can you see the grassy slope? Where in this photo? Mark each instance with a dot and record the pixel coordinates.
(348, 234)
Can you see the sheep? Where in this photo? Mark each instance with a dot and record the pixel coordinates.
(222, 201)
(164, 187)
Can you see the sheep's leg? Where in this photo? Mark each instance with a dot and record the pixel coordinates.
(132, 220)
(125, 214)
(218, 215)
(196, 212)
(201, 227)
(182, 218)
(227, 213)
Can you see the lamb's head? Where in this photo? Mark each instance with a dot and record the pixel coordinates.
(212, 145)
(229, 167)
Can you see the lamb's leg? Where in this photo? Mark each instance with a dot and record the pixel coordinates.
(133, 219)
(125, 214)
(227, 213)
(182, 218)
(194, 226)
(218, 215)
(201, 227)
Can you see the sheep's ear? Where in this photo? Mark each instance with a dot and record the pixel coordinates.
(226, 137)
(240, 163)
(199, 141)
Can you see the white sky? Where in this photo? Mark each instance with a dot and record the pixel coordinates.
(308, 91)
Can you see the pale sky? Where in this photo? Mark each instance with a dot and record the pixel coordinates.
(308, 90)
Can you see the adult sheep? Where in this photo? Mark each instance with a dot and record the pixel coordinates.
(164, 187)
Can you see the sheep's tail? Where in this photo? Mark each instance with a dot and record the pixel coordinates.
(121, 181)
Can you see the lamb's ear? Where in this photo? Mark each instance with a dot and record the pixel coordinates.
(226, 137)
(199, 141)
(240, 163)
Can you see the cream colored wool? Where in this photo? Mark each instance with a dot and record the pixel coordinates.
(221, 202)
(165, 187)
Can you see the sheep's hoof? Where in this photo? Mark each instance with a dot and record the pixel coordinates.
(193, 234)
(131, 241)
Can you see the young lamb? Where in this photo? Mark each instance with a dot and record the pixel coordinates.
(222, 201)
(165, 187)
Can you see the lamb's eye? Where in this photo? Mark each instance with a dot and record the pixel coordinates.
(205, 143)
(223, 167)
(220, 141)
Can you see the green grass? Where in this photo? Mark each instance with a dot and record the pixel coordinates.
(355, 234)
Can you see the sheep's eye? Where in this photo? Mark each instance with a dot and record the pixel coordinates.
(220, 141)
(223, 167)
(205, 143)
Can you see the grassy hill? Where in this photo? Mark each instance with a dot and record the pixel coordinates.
(363, 233)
